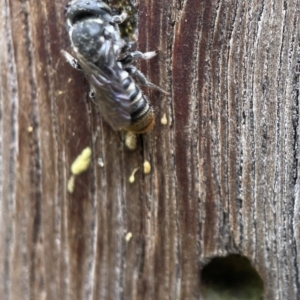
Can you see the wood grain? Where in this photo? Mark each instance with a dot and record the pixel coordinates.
(225, 168)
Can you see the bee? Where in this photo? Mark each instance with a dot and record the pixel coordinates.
(104, 58)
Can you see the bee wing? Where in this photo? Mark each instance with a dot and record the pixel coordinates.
(106, 82)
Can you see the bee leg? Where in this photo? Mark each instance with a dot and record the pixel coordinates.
(128, 47)
(141, 55)
(137, 55)
(142, 79)
(71, 60)
(118, 19)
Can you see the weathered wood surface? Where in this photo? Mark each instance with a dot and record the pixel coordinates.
(225, 168)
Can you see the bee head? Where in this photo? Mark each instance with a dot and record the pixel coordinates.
(80, 10)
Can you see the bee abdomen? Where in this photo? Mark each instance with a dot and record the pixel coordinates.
(143, 121)
(142, 115)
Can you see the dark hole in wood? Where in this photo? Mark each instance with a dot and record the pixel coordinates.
(230, 278)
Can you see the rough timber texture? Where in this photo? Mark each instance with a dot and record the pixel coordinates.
(225, 168)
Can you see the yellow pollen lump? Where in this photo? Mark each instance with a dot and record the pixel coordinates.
(82, 161)
(164, 120)
(130, 140)
(128, 236)
(147, 167)
(71, 184)
(131, 178)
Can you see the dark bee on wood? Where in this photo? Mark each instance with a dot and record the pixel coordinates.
(106, 60)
